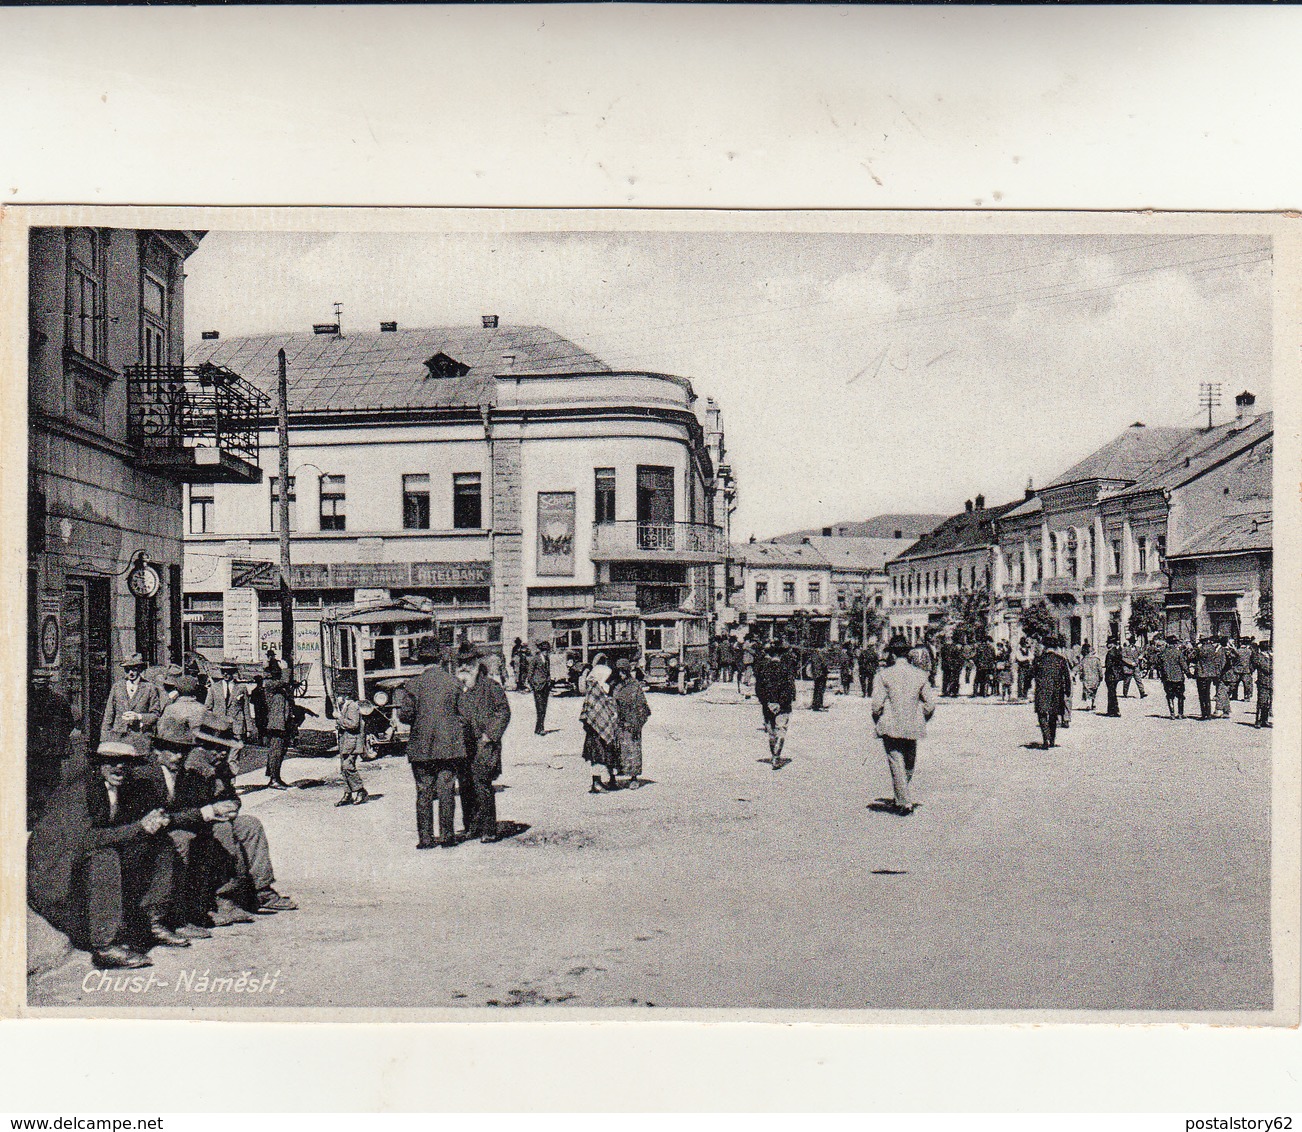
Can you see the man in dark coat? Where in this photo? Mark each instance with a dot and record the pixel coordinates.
(818, 671)
(133, 707)
(483, 707)
(540, 683)
(281, 722)
(984, 658)
(1114, 670)
(49, 732)
(99, 859)
(1175, 671)
(1052, 676)
(437, 752)
(1209, 667)
(951, 667)
(1263, 665)
(775, 688)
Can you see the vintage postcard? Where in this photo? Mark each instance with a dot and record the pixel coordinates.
(564, 615)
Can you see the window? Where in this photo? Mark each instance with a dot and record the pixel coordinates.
(84, 305)
(815, 593)
(466, 511)
(201, 508)
(153, 320)
(605, 495)
(1143, 554)
(761, 592)
(275, 504)
(415, 502)
(1161, 552)
(789, 593)
(1116, 556)
(1073, 555)
(332, 503)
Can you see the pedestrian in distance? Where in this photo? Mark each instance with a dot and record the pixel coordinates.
(633, 712)
(519, 662)
(845, 667)
(951, 667)
(775, 688)
(228, 697)
(1051, 676)
(818, 672)
(1091, 676)
(1132, 657)
(1263, 667)
(1174, 670)
(600, 730)
(350, 730)
(1072, 657)
(485, 712)
(1025, 659)
(868, 664)
(1113, 673)
(436, 749)
(540, 684)
(902, 703)
(281, 721)
(1228, 677)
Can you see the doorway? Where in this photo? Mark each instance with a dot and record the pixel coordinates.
(87, 649)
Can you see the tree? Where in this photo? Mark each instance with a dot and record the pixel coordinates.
(1266, 609)
(1147, 617)
(863, 614)
(1038, 621)
(969, 611)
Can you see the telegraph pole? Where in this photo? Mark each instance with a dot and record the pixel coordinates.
(286, 593)
(1209, 397)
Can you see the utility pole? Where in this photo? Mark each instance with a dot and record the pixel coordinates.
(286, 592)
(1209, 396)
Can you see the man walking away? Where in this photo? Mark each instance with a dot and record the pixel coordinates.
(901, 705)
(867, 668)
(1091, 676)
(436, 749)
(1113, 671)
(845, 666)
(1133, 660)
(1208, 669)
(483, 706)
(540, 683)
(1052, 676)
(1263, 665)
(775, 688)
(1175, 671)
(818, 670)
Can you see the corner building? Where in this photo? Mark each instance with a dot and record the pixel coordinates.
(506, 475)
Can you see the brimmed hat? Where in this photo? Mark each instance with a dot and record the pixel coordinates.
(622, 665)
(899, 645)
(184, 685)
(116, 751)
(135, 660)
(226, 664)
(170, 675)
(216, 731)
(174, 732)
(467, 654)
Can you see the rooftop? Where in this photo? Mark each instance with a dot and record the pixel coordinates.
(1190, 459)
(968, 530)
(1128, 456)
(779, 554)
(388, 370)
(1234, 534)
(910, 526)
(857, 553)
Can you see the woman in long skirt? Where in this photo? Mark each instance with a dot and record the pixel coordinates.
(601, 730)
(633, 712)
(1091, 676)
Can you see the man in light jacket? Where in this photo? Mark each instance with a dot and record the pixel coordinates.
(902, 703)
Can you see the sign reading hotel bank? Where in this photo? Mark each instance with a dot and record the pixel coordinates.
(555, 534)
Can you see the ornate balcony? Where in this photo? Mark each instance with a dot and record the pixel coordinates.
(632, 541)
(195, 424)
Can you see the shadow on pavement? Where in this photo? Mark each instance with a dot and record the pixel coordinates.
(509, 829)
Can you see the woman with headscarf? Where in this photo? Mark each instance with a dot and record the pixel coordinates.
(633, 712)
(601, 729)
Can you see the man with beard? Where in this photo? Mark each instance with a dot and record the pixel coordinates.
(483, 707)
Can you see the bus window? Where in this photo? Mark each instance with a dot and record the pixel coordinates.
(384, 653)
(653, 634)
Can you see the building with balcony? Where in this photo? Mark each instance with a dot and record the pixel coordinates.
(1096, 540)
(784, 590)
(503, 474)
(952, 563)
(117, 427)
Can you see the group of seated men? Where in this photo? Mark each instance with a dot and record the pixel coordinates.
(145, 844)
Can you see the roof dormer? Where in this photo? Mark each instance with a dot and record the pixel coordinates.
(440, 365)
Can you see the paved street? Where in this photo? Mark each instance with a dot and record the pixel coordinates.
(1128, 869)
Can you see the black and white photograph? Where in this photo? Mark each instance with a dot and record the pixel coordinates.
(621, 615)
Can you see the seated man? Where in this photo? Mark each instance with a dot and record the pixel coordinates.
(246, 857)
(186, 797)
(100, 863)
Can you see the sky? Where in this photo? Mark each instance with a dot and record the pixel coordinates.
(858, 374)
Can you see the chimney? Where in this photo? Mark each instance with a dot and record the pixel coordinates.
(1244, 406)
(827, 533)
(980, 502)
(1030, 488)
(899, 534)
(508, 361)
(325, 328)
(211, 335)
(967, 505)
(489, 321)
(388, 328)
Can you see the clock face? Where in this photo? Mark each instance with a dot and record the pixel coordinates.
(144, 582)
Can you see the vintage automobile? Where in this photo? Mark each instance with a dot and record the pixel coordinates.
(579, 637)
(676, 651)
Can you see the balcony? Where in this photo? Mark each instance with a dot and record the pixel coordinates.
(632, 541)
(194, 424)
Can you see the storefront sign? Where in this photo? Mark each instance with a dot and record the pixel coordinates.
(51, 629)
(240, 624)
(251, 573)
(374, 575)
(353, 575)
(451, 573)
(555, 534)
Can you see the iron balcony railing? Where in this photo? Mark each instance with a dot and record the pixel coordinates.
(170, 408)
(667, 541)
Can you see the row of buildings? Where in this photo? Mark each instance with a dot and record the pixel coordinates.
(1165, 527)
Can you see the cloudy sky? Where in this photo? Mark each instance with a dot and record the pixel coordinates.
(858, 374)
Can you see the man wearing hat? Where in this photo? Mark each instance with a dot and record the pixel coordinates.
(483, 707)
(183, 701)
(227, 696)
(902, 703)
(133, 707)
(281, 720)
(99, 861)
(540, 683)
(350, 731)
(775, 688)
(246, 857)
(1174, 669)
(436, 749)
(1052, 677)
(1263, 665)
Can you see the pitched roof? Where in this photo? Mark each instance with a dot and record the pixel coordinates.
(857, 553)
(1234, 534)
(968, 530)
(379, 370)
(1126, 457)
(779, 554)
(910, 526)
(1188, 460)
